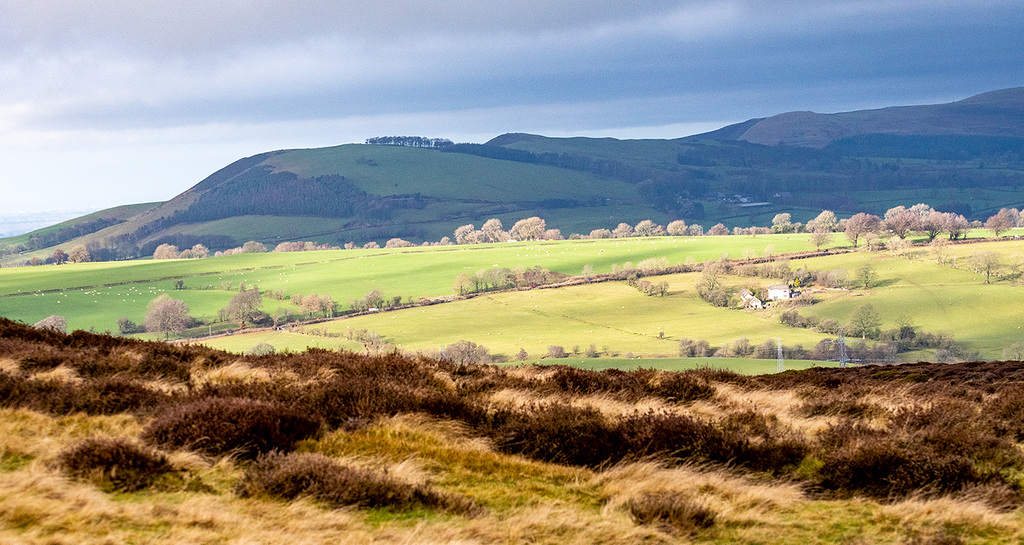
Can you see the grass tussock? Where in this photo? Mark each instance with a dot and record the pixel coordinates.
(294, 475)
(115, 464)
(673, 512)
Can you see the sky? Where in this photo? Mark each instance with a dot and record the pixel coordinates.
(107, 102)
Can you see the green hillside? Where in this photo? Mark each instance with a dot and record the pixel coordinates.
(966, 157)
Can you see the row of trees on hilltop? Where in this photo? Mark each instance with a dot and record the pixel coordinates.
(409, 141)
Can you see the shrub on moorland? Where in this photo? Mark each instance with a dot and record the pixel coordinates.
(339, 399)
(559, 433)
(104, 396)
(115, 464)
(684, 387)
(837, 405)
(42, 358)
(890, 464)
(954, 427)
(14, 390)
(625, 385)
(1007, 411)
(884, 469)
(670, 511)
(243, 427)
(756, 445)
(677, 436)
(289, 476)
(148, 366)
(110, 395)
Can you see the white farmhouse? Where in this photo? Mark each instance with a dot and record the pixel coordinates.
(781, 293)
(749, 300)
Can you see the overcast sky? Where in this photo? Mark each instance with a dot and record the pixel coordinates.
(107, 102)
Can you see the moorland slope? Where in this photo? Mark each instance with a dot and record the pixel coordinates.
(104, 438)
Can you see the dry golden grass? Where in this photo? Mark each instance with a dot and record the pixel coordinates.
(957, 512)
(235, 371)
(43, 437)
(10, 366)
(525, 501)
(783, 404)
(733, 496)
(511, 398)
(61, 373)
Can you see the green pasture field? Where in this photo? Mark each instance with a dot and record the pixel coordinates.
(96, 295)
(268, 229)
(745, 366)
(614, 317)
(1010, 250)
(282, 341)
(937, 298)
(375, 169)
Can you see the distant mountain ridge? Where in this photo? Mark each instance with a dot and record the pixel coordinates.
(996, 113)
(965, 157)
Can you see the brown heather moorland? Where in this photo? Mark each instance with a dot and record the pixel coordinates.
(113, 440)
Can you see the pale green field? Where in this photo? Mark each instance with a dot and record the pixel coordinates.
(612, 316)
(619, 320)
(745, 366)
(282, 341)
(937, 298)
(295, 342)
(346, 275)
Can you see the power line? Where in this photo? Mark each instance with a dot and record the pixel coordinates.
(781, 366)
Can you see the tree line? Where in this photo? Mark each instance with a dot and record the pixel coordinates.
(899, 222)
(410, 141)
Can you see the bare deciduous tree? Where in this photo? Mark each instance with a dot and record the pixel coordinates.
(462, 233)
(79, 254)
(825, 221)
(528, 229)
(821, 237)
(986, 262)
(244, 306)
(1000, 222)
(253, 247)
(718, 230)
(623, 230)
(782, 223)
(676, 228)
(861, 224)
(167, 315)
(53, 322)
(466, 352)
(166, 251)
(647, 228)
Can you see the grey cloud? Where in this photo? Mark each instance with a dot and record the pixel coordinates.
(106, 68)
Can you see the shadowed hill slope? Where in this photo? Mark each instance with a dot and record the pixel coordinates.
(997, 113)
